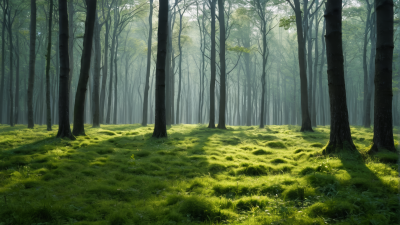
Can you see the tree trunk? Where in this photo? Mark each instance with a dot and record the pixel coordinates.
(369, 89)
(160, 127)
(306, 121)
(112, 51)
(48, 56)
(178, 101)
(340, 136)
(3, 74)
(17, 81)
(116, 81)
(212, 65)
(366, 118)
(383, 124)
(146, 87)
(11, 102)
(71, 12)
(105, 70)
(96, 74)
(79, 108)
(64, 129)
(222, 101)
(321, 95)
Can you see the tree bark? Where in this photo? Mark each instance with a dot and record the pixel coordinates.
(48, 56)
(116, 80)
(222, 101)
(96, 74)
(71, 12)
(11, 68)
(3, 74)
(178, 101)
(340, 136)
(160, 127)
(64, 129)
(17, 81)
(383, 120)
(146, 87)
(213, 69)
(321, 95)
(306, 121)
(80, 96)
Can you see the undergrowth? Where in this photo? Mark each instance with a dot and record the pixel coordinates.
(118, 174)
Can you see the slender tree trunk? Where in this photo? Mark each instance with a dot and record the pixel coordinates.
(116, 81)
(383, 120)
(64, 129)
(213, 69)
(71, 12)
(11, 102)
(160, 127)
(340, 136)
(367, 109)
(222, 101)
(48, 56)
(3, 43)
(105, 70)
(178, 101)
(108, 120)
(79, 108)
(306, 121)
(366, 121)
(96, 74)
(146, 87)
(17, 81)
(321, 95)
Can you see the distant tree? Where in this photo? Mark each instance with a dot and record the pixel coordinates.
(96, 73)
(64, 129)
(340, 136)
(48, 56)
(160, 127)
(79, 108)
(32, 58)
(383, 120)
(212, 65)
(146, 87)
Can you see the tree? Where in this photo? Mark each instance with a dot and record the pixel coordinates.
(32, 58)
(96, 74)
(64, 129)
(146, 87)
(160, 127)
(48, 56)
(222, 100)
(340, 135)
(383, 120)
(213, 69)
(79, 108)
(306, 121)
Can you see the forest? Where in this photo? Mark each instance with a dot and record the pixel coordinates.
(200, 112)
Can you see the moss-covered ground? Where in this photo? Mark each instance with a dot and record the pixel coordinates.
(118, 174)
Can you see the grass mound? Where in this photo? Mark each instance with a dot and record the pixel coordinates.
(120, 175)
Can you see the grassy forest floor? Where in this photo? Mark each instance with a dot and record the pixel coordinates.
(118, 174)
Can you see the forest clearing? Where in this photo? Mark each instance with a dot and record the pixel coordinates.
(118, 174)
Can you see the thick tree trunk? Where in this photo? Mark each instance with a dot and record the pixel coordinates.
(160, 127)
(383, 120)
(306, 121)
(96, 74)
(222, 101)
(48, 56)
(80, 96)
(213, 69)
(146, 87)
(64, 129)
(340, 136)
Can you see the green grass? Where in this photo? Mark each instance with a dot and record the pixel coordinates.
(118, 174)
